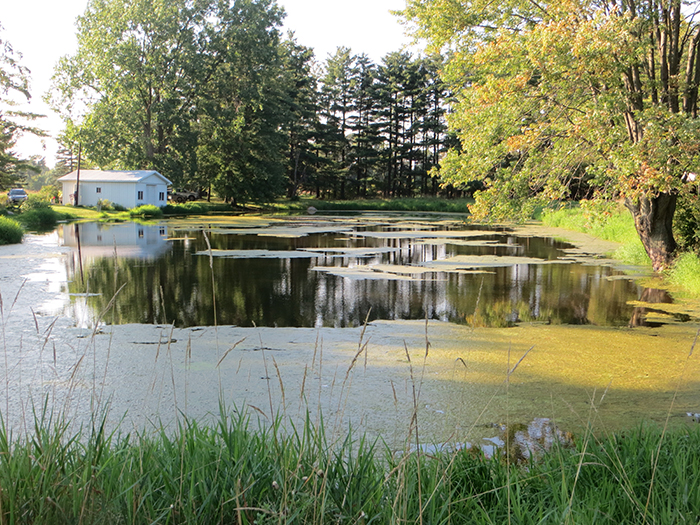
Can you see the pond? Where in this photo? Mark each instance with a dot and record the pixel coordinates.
(339, 272)
(363, 319)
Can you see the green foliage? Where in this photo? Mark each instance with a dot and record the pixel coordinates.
(36, 201)
(10, 231)
(686, 223)
(40, 218)
(148, 211)
(382, 128)
(49, 193)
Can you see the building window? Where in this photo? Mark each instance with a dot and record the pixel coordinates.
(139, 195)
(161, 196)
(99, 190)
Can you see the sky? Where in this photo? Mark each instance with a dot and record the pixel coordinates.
(44, 30)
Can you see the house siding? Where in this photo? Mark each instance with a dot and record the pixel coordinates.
(122, 192)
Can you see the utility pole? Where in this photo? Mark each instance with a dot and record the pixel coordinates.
(77, 176)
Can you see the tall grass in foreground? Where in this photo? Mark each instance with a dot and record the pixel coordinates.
(230, 473)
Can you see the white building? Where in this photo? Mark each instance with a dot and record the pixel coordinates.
(126, 188)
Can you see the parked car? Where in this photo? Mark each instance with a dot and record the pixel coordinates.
(17, 196)
(181, 196)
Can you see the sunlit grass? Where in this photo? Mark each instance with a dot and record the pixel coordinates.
(685, 273)
(78, 212)
(611, 224)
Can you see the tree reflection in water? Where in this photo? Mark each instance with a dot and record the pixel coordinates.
(174, 283)
(641, 313)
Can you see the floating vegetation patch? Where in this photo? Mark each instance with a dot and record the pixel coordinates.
(362, 272)
(679, 308)
(353, 252)
(461, 242)
(414, 270)
(259, 254)
(388, 272)
(223, 221)
(461, 262)
(412, 234)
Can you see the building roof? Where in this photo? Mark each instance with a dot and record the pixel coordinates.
(111, 176)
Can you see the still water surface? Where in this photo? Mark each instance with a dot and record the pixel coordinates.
(337, 272)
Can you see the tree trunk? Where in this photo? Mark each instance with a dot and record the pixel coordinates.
(653, 218)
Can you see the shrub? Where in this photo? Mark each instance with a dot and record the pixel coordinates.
(148, 210)
(10, 231)
(36, 201)
(39, 218)
(104, 205)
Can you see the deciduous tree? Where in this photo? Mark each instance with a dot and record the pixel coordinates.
(14, 82)
(548, 91)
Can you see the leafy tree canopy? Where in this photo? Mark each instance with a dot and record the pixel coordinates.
(553, 95)
(14, 82)
(172, 85)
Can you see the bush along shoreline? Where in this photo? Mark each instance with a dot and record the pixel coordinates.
(230, 472)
